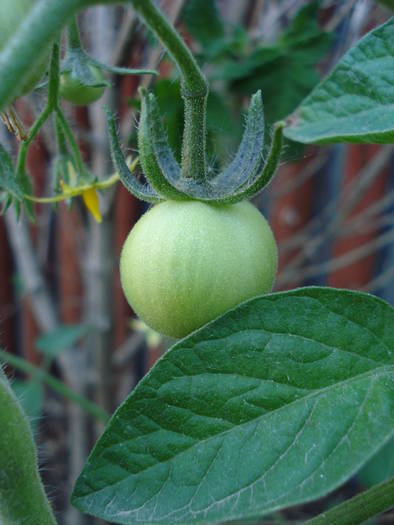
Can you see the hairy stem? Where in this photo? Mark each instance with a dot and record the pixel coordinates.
(194, 89)
(360, 508)
(43, 117)
(22, 495)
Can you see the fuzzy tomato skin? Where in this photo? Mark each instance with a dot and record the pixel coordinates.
(72, 90)
(12, 14)
(185, 263)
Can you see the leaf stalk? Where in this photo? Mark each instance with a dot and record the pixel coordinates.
(194, 90)
(359, 508)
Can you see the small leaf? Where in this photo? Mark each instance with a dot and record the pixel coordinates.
(15, 185)
(276, 403)
(249, 157)
(160, 168)
(8, 182)
(168, 96)
(128, 179)
(30, 394)
(355, 102)
(62, 338)
(79, 65)
(122, 70)
(262, 178)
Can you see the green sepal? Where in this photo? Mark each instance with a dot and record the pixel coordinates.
(245, 176)
(263, 178)
(78, 64)
(121, 70)
(255, 183)
(249, 155)
(246, 166)
(158, 163)
(131, 183)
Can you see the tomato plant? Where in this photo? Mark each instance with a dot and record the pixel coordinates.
(12, 14)
(185, 263)
(74, 91)
(268, 400)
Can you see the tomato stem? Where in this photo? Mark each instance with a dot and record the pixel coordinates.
(194, 90)
(43, 117)
(359, 508)
(22, 495)
(71, 140)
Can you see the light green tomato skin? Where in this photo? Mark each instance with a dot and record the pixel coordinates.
(12, 14)
(185, 263)
(72, 90)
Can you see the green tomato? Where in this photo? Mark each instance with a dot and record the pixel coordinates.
(72, 90)
(185, 263)
(12, 14)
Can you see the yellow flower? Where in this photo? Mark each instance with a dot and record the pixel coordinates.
(89, 193)
(90, 198)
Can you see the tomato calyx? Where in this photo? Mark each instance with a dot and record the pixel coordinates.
(81, 81)
(248, 173)
(82, 76)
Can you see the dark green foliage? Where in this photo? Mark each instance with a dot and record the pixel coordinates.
(355, 102)
(285, 70)
(203, 22)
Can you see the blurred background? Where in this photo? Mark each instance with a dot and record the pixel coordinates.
(331, 209)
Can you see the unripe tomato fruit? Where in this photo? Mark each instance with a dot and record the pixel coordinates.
(12, 14)
(185, 263)
(72, 90)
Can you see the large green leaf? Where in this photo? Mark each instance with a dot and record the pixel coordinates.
(355, 103)
(275, 403)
